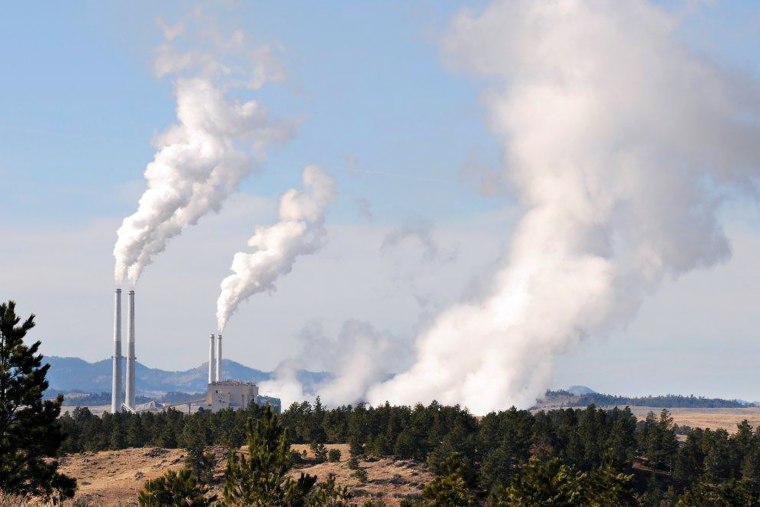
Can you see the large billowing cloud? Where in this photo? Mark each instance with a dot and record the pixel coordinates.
(215, 143)
(621, 145)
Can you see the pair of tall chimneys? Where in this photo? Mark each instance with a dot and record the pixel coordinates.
(215, 360)
(116, 387)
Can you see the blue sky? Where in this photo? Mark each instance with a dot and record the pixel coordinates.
(83, 88)
(378, 108)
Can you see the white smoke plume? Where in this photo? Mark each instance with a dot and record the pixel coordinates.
(360, 357)
(215, 144)
(621, 145)
(300, 231)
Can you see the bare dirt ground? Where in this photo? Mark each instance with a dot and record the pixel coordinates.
(113, 478)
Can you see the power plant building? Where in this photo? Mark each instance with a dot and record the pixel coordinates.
(220, 394)
(230, 394)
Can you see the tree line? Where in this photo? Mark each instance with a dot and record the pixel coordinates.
(662, 401)
(494, 449)
(572, 456)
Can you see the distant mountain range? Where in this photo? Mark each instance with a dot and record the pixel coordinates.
(71, 374)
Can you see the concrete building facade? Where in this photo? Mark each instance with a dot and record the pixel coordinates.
(230, 394)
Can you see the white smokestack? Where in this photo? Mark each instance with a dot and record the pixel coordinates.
(621, 145)
(202, 159)
(130, 396)
(219, 359)
(211, 361)
(116, 390)
(299, 231)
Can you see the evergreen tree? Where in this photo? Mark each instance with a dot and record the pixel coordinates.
(328, 494)
(553, 483)
(29, 433)
(729, 494)
(450, 487)
(200, 463)
(261, 479)
(174, 489)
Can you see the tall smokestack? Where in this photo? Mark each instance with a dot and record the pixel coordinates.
(130, 396)
(211, 361)
(116, 380)
(219, 359)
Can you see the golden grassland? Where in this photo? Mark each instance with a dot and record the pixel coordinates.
(713, 418)
(113, 478)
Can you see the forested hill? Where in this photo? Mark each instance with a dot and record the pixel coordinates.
(563, 398)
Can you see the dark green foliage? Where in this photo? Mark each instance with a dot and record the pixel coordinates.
(729, 494)
(658, 442)
(450, 487)
(320, 452)
(260, 478)
(498, 446)
(194, 437)
(333, 455)
(200, 463)
(29, 431)
(554, 483)
(328, 494)
(175, 489)
(360, 474)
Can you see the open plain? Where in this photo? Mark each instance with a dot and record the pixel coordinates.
(113, 478)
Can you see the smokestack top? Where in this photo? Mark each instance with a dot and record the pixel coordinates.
(118, 291)
(131, 292)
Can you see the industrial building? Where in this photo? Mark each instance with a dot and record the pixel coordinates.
(230, 394)
(220, 394)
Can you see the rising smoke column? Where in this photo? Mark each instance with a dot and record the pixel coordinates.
(621, 145)
(357, 358)
(202, 159)
(299, 231)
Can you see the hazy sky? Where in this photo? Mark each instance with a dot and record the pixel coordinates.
(421, 218)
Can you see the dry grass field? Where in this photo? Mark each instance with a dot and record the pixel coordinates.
(713, 418)
(113, 478)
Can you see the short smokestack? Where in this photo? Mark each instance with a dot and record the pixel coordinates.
(219, 359)
(211, 361)
(116, 380)
(130, 396)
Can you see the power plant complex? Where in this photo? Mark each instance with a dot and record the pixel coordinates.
(220, 394)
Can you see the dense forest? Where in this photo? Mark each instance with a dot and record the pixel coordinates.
(642, 460)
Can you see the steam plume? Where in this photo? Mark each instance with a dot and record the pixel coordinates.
(360, 357)
(621, 145)
(299, 232)
(203, 158)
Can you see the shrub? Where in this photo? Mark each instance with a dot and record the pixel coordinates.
(173, 488)
(361, 475)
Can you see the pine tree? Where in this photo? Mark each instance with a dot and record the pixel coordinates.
(328, 494)
(553, 483)
(261, 479)
(450, 488)
(174, 489)
(29, 431)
